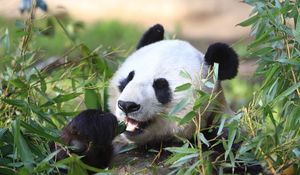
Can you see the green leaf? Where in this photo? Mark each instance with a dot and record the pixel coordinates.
(174, 157)
(270, 76)
(201, 101)
(216, 72)
(249, 21)
(295, 62)
(18, 83)
(192, 168)
(185, 159)
(16, 102)
(262, 51)
(38, 130)
(262, 38)
(7, 171)
(203, 139)
(268, 112)
(61, 98)
(91, 99)
(183, 87)
(67, 97)
(286, 93)
(5, 41)
(297, 35)
(188, 117)
(45, 163)
(182, 150)
(42, 82)
(221, 126)
(231, 137)
(22, 147)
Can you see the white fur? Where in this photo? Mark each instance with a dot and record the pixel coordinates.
(164, 59)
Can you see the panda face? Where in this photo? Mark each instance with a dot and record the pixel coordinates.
(140, 101)
(143, 88)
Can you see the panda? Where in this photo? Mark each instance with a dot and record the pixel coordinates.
(143, 88)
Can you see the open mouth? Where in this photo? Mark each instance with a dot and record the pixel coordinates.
(134, 127)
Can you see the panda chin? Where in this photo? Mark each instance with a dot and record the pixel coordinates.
(134, 127)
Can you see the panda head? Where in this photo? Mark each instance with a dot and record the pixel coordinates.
(143, 88)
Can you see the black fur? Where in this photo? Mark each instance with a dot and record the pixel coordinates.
(93, 132)
(226, 57)
(162, 90)
(152, 35)
(125, 81)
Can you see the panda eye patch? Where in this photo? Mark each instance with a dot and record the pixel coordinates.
(162, 90)
(125, 81)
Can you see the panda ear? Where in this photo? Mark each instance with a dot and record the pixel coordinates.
(226, 57)
(152, 35)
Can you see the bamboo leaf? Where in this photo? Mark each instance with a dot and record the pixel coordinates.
(183, 87)
(188, 117)
(61, 98)
(18, 83)
(16, 102)
(182, 150)
(39, 131)
(91, 99)
(286, 93)
(249, 21)
(231, 137)
(22, 147)
(203, 139)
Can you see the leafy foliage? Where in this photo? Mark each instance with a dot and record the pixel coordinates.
(272, 118)
(37, 100)
(270, 122)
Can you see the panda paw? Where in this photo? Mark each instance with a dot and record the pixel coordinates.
(226, 57)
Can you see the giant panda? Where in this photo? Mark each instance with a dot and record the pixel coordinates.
(142, 90)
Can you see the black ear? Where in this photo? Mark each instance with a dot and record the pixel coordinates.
(152, 35)
(226, 57)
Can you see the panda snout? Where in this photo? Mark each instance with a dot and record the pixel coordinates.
(128, 106)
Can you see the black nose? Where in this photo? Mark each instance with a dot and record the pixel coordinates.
(128, 106)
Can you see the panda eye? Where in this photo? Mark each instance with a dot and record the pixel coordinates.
(125, 81)
(162, 90)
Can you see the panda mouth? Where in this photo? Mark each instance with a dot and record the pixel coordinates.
(134, 127)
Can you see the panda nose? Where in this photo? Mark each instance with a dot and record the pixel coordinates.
(128, 106)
